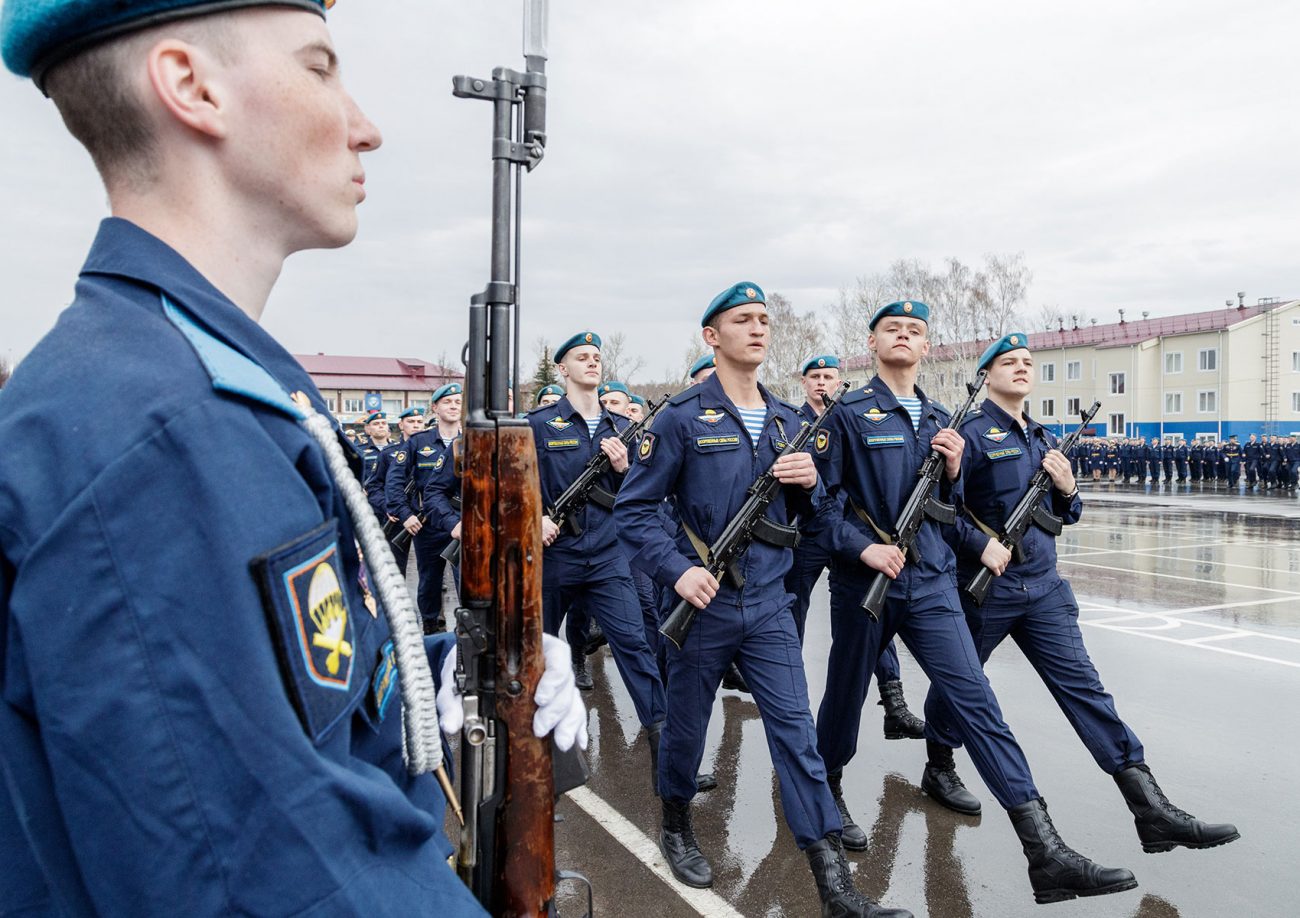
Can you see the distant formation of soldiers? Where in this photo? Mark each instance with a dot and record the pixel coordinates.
(1260, 464)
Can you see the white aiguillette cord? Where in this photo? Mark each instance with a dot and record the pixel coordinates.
(421, 738)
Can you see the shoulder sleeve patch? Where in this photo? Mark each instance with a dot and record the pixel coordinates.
(645, 452)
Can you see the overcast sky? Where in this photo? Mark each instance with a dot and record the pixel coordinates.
(1141, 155)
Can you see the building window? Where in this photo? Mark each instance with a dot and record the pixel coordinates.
(1049, 408)
(332, 405)
(1208, 359)
(1074, 370)
(393, 407)
(1295, 361)
(352, 406)
(1116, 383)
(1072, 407)
(1025, 407)
(1117, 425)
(1049, 372)
(1207, 402)
(1295, 402)
(1174, 362)
(1173, 403)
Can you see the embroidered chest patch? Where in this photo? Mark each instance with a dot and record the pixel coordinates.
(1004, 453)
(710, 416)
(426, 451)
(875, 415)
(571, 443)
(559, 423)
(886, 440)
(717, 442)
(996, 434)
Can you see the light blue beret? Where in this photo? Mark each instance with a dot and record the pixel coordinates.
(1011, 341)
(413, 411)
(578, 340)
(735, 295)
(913, 309)
(443, 391)
(639, 400)
(376, 416)
(37, 34)
(612, 386)
(702, 364)
(820, 363)
(552, 389)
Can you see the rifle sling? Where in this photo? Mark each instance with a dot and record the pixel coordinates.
(766, 531)
(981, 525)
(883, 536)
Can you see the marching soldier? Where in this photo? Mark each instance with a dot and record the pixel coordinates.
(404, 480)
(1181, 455)
(1232, 458)
(821, 376)
(1268, 462)
(549, 395)
(1030, 602)
(1252, 452)
(1196, 455)
(878, 437)
(707, 445)
(376, 442)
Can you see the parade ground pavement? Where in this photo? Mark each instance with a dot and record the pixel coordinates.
(1190, 606)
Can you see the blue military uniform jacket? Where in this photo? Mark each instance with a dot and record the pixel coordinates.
(197, 713)
(868, 460)
(700, 454)
(564, 447)
(423, 455)
(376, 476)
(441, 493)
(999, 459)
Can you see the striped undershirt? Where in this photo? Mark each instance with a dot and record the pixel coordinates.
(592, 424)
(753, 418)
(913, 406)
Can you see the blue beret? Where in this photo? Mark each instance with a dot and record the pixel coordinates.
(913, 309)
(820, 363)
(443, 391)
(1011, 341)
(743, 292)
(375, 416)
(606, 388)
(414, 410)
(702, 364)
(578, 340)
(552, 389)
(37, 34)
(639, 400)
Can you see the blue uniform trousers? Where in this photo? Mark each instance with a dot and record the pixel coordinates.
(1043, 620)
(610, 597)
(804, 574)
(431, 566)
(1252, 471)
(762, 641)
(1182, 469)
(1234, 471)
(1153, 469)
(934, 630)
(647, 595)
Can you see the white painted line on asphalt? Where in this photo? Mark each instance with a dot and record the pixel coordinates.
(1200, 580)
(1295, 664)
(704, 901)
(1141, 551)
(1085, 606)
(1220, 637)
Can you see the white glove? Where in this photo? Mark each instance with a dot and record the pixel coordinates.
(559, 705)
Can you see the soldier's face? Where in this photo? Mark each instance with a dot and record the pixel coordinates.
(295, 136)
(1012, 373)
(448, 409)
(634, 411)
(411, 425)
(378, 430)
(582, 365)
(819, 381)
(548, 400)
(899, 341)
(615, 402)
(741, 336)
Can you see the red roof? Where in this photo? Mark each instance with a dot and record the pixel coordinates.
(376, 373)
(1114, 334)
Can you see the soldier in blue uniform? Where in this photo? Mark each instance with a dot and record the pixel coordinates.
(1151, 455)
(407, 474)
(584, 568)
(878, 437)
(1181, 455)
(409, 423)
(221, 744)
(549, 395)
(615, 397)
(1290, 464)
(1251, 453)
(1028, 600)
(376, 441)
(707, 445)
(1232, 459)
(1268, 463)
(821, 376)
(1196, 456)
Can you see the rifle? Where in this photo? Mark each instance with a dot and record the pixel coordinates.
(394, 531)
(1029, 511)
(921, 504)
(507, 844)
(577, 494)
(738, 535)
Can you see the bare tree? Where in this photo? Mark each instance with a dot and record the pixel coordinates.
(694, 351)
(5, 371)
(615, 361)
(1008, 288)
(794, 338)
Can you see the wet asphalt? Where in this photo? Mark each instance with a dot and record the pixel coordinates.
(1190, 606)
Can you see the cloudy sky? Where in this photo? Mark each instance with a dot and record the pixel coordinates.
(1141, 155)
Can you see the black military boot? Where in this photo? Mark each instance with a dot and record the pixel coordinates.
(941, 782)
(732, 679)
(851, 834)
(595, 638)
(1056, 871)
(1161, 826)
(581, 677)
(900, 723)
(677, 842)
(840, 898)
